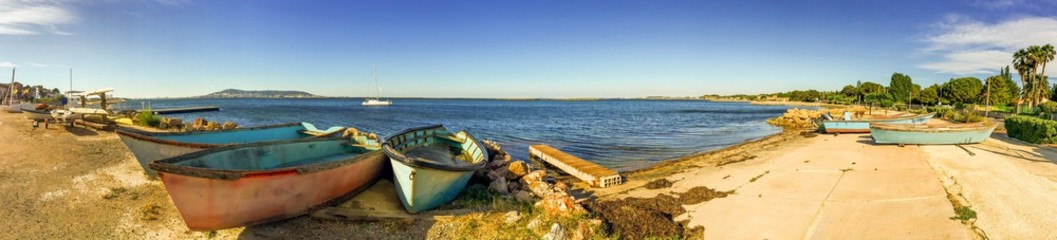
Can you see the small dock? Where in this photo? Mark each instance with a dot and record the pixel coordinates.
(589, 172)
(185, 110)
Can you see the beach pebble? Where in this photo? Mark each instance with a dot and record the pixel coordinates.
(516, 169)
(230, 125)
(557, 233)
(512, 217)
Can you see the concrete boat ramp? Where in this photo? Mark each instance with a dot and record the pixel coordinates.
(847, 187)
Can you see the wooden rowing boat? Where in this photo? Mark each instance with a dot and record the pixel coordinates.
(863, 125)
(431, 165)
(255, 183)
(151, 146)
(932, 134)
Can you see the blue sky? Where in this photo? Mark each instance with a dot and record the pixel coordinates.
(175, 48)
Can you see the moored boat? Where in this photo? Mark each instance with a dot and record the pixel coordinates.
(863, 125)
(151, 146)
(937, 134)
(431, 165)
(255, 183)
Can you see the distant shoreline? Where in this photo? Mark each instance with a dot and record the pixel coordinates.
(437, 98)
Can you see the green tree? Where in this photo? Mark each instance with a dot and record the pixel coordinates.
(962, 90)
(930, 95)
(901, 87)
(850, 91)
(996, 91)
(1014, 89)
(868, 88)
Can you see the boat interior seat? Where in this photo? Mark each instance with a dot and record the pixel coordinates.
(312, 130)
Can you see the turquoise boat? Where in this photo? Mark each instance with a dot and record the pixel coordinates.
(151, 146)
(255, 183)
(863, 125)
(431, 165)
(939, 134)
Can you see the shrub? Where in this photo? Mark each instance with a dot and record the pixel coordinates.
(1048, 107)
(1031, 129)
(147, 118)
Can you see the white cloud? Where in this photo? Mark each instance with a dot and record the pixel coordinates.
(970, 62)
(28, 18)
(972, 47)
(7, 64)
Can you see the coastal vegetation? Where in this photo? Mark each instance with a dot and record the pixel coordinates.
(1031, 129)
(998, 91)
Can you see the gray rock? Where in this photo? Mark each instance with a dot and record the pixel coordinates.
(524, 196)
(557, 233)
(499, 185)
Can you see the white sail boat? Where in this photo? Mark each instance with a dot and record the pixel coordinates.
(377, 101)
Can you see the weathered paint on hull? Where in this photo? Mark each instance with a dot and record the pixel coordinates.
(210, 204)
(863, 126)
(147, 151)
(883, 136)
(422, 189)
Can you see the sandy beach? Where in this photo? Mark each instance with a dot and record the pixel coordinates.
(79, 183)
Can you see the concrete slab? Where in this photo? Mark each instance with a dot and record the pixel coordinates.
(793, 185)
(750, 217)
(916, 219)
(870, 185)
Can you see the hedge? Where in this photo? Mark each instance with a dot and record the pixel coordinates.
(1031, 129)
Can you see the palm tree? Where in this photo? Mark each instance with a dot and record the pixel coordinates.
(1040, 55)
(1025, 65)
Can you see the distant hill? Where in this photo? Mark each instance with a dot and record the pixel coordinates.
(236, 93)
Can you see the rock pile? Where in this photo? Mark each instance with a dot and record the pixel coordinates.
(797, 118)
(518, 179)
(201, 124)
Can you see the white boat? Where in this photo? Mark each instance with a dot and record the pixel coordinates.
(377, 101)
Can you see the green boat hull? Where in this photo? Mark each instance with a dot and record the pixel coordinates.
(932, 136)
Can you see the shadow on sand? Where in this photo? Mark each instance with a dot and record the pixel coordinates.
(381, 196)
(80, 131)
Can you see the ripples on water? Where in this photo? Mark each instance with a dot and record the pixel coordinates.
(622, 134)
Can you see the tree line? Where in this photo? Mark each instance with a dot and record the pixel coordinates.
(997, 90)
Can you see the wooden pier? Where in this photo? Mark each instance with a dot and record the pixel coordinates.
(185, 110)
(589, 172)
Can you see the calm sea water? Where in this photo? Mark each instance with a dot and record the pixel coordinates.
(622, 134)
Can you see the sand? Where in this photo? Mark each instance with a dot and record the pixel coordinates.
(790, 186)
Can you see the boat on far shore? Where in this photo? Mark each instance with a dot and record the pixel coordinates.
(256, 183)
(932, 134)
(863, 125)
(150, 146)
(431, 166)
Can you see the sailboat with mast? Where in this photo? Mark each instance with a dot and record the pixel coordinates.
(377, 101)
